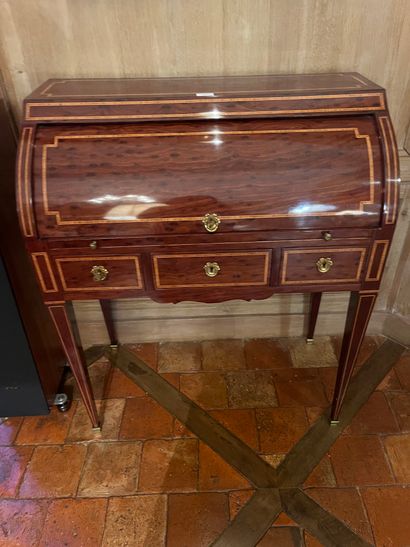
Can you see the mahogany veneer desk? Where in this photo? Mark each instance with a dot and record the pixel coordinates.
(208, 189)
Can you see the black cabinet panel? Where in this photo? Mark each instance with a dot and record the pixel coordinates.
(20, 389)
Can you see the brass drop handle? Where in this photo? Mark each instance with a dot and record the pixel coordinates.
(211, 221)
(324, 264)
(327, 236)
(99, 273)
(212, 269)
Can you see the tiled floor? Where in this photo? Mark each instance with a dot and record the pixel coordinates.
(146, 480)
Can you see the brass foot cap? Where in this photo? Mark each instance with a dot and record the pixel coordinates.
(334, 422)
(114, 346)
(97, 429)
(309, 340)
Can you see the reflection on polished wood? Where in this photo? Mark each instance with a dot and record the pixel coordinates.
(208, 190)
(248, 196)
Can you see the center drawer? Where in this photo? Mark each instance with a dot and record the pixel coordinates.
(230, 269)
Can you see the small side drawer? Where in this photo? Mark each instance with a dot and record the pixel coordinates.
(99, 273)
(234, 269)
(322, 265)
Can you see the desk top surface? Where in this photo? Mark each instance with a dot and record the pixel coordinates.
(209, 86)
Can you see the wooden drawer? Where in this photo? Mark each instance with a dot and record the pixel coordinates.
(231, 269)
(99, 273)
(339, 265)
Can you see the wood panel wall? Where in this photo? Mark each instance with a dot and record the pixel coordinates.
(107, 38)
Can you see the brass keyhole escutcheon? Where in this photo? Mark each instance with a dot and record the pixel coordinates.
(211, 222)
(324, 264)
(99, 273)
(212, 269)
(327, 236)
(93, 245)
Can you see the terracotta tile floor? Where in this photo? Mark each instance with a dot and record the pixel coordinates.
(146, 480)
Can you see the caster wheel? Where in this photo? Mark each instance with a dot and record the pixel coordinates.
(62, 402)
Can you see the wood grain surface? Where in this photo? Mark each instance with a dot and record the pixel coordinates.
(239, 166)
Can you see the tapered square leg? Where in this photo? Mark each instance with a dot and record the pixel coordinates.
(109, 321)
(360, 308)
(315, 299)
(67, 332)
